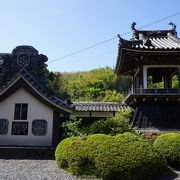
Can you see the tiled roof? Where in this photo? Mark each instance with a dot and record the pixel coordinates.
(99, 106)
(41, 88)
(27, 67)
(152, 40)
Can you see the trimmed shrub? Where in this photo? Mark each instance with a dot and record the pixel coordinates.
(93, 143)
(169, 146)
(72, 155)
(124, 156)
(61, 152)
(128, 156)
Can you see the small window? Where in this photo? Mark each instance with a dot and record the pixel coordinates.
(39, 127)
(20, 112)
(4, 126)
(19, 128)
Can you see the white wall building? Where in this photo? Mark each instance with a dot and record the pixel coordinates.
(29, 111)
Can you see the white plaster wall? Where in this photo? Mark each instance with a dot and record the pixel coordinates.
(80, 114)
(102, 114)
(93, 114)
(36, 110)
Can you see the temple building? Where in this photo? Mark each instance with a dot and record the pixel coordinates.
(152, 59)
(30, 111)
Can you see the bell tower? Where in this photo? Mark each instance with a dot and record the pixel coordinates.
(152, 59)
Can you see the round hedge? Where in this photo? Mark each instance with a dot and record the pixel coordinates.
(62, 150)
(124, 156)
(93, 143)
(169, 146)
(72, 155)
(128, 156)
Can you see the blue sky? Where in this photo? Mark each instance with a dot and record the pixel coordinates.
(59, 27)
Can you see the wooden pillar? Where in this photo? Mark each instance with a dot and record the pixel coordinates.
(166, 81)
(179, 76)
(56, 129)
(56, 133)
(145, 77)
(136, 85)
(141, 78)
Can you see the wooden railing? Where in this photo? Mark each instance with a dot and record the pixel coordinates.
(156, 91)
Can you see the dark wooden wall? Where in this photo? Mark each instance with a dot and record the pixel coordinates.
(157, 115)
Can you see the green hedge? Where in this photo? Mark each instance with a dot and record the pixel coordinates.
(169, 146)
(61, 152)
(128, 156)
(124, 156)
(71, 155)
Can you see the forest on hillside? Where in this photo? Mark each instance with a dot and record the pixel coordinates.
(95, 85)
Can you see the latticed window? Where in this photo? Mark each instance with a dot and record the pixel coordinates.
(20, 112)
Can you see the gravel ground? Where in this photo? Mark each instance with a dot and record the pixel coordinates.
(14, 169)
(31, 170)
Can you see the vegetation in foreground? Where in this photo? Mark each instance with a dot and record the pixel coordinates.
(169, 146)
(111, 150)
(124, 156)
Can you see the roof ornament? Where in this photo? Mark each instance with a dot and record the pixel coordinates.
(173, 30)
(146, 41)
(133, 26)
(23, 57)
(173, 25)
(119, 36)
(135, 35)
(120, 39)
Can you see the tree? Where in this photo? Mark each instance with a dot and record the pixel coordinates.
(56, 82)
(95, 85)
